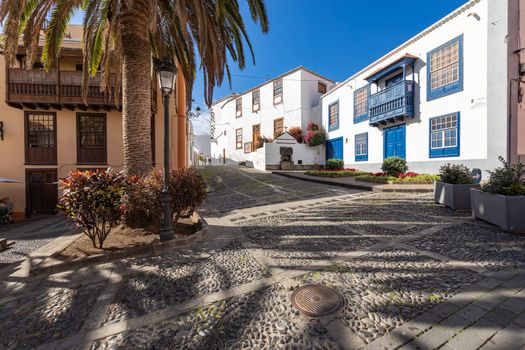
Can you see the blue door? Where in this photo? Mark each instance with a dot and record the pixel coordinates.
(395, 141)
(334, 148)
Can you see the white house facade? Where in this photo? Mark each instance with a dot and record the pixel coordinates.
(441, 97)
(267, 111)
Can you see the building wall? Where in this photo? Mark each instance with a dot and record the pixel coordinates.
(300, 94)
(520, 124)
(481, 102)
(12, 148)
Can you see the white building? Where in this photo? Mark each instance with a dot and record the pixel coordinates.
(442, 96)
(267, 111)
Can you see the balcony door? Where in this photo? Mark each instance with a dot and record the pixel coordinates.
(394, 141)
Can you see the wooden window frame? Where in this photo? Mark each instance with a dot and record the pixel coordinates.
(238, 107)
(321, 87)
(53, 161)
(105, 148)
(280, 94)
(238, 144)
(258, 100)
(335, 125)
(275, 135)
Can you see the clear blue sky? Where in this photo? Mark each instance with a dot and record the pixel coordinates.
(335, 38)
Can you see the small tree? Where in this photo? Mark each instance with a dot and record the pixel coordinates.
(188, 191)
(297, 133)
(93, 200)
(457, 174)
(335, 164)
(394, 166)
(507, 180)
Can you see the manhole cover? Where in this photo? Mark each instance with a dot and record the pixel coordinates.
(316, 300)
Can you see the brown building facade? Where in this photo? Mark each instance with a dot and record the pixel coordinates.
(46, 130)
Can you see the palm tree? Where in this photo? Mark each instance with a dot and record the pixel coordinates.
(121, 36)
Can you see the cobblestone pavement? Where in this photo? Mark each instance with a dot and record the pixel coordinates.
(26, 237)
(413, 275)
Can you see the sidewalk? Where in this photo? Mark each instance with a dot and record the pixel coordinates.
(349, 182)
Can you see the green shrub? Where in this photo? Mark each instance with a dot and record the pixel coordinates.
(375, 179)
(507, 180)
(334, 164)
(335, 173)
(93, 200)
(394, 166)
(457, 174)
(421, 179)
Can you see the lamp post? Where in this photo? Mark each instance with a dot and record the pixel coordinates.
(167, 75)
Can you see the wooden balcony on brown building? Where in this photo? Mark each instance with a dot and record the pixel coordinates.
(38, 89)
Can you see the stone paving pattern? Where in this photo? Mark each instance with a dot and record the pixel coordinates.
(414, 275)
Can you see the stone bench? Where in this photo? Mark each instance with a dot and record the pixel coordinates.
(3, 244)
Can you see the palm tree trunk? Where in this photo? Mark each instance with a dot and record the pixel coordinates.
(136, 87)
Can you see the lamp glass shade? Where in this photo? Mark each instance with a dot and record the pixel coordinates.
(167, 80)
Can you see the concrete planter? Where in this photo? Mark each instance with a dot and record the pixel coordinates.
(507, 212)
(456, 197)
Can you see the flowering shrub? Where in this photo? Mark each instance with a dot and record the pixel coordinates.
(315, 136)
(188, 191)
(142, 203)
(408, 174)
(141, 193)
(297, 133)
(93, 200)
(404, 178)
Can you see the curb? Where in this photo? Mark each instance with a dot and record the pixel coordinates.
(359, 186)
(56, 266)
(326, 182)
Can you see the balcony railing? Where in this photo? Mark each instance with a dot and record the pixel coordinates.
(39, 88)
(396, 101)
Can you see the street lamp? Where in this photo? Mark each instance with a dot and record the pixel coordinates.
(167, 75)
(195, 114)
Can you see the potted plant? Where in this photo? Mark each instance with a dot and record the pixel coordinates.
(501, 201)
(454, 188)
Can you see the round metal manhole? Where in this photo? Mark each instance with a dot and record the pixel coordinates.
(316, 300)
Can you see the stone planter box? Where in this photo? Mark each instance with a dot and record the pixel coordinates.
(456, 197)
(507, 212)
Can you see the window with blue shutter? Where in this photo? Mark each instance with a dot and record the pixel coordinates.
(361, 147)
(444, 136)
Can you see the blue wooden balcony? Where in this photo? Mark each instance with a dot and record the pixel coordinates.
(394, 102)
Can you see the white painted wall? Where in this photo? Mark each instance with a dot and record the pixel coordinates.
(471, 102)
(309, 156)
(300, 97)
